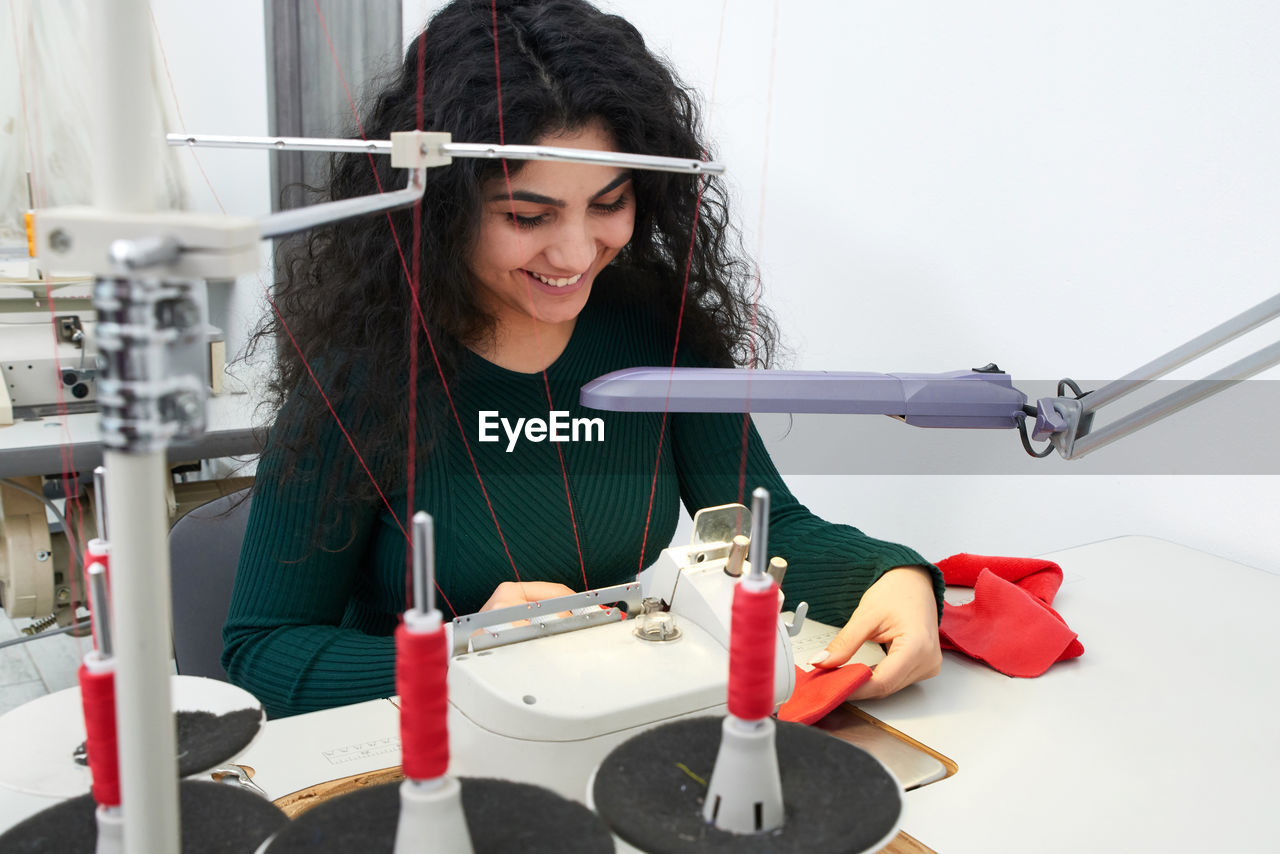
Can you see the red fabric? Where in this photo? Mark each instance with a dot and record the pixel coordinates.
(819, 691)
(1009, 624)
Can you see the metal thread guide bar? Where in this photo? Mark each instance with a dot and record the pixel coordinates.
(584, 610)
(440, 145)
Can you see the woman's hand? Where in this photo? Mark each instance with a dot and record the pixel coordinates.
(898, 610)
(510, 593)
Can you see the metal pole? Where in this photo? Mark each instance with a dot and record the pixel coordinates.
(1181, 399)
(123, 182)
(1246, 321)
(300, 219)
(473, 150)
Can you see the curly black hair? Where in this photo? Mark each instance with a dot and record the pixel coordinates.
(342, 290)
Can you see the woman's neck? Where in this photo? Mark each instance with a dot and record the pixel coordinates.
(525, 348)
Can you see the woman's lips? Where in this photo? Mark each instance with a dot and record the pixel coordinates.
(554, 286)
(554, 282)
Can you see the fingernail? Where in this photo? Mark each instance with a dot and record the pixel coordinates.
(820, 657)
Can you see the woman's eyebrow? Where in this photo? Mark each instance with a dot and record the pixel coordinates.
(614, 184)
(526, 196)
(539, 199)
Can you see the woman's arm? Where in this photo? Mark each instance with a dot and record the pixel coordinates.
(293, 637)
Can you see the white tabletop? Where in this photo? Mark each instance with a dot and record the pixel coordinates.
(31, 447)
(1163, 736)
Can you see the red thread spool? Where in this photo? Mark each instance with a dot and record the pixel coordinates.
(753, 632)
(422, 670)
(98, 697)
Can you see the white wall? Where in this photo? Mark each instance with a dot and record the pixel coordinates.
(217, 61)
(1065, 190)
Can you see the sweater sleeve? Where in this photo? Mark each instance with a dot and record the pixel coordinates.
(830, 565)
(286, 637)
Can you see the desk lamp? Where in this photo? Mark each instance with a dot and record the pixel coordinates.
(979, 398)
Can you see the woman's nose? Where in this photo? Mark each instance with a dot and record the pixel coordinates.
(573, 249)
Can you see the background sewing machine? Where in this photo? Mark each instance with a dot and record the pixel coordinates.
(48, 352)
(47, 356)
(48, 360)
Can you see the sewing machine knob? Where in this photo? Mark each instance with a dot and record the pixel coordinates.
(657, 626)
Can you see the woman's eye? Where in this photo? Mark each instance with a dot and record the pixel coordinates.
(612, 207)
(526, 221)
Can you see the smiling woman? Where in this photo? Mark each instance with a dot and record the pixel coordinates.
(544, 236)
(522, 281)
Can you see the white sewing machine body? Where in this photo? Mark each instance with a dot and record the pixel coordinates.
(549, 708)
(38, 376)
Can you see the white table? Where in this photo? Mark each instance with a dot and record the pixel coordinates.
(36, 447)
(1162, 737)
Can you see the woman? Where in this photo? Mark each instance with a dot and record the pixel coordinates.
(535, 278)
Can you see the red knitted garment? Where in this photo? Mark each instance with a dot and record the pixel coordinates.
(1009, 624)
(819, 691)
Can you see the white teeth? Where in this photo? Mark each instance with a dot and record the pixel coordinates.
(555, 283)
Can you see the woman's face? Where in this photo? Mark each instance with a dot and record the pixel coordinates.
(543, 240)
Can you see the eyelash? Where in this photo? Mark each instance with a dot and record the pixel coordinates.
(525, 222)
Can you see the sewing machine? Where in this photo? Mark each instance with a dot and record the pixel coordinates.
(42, 380)
(37, 376)
(547, 699)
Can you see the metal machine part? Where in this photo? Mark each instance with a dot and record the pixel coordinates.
(658, 627)
(737, 554)
(440, 145)
(149, 332)
(1069, 423)
(501, 626)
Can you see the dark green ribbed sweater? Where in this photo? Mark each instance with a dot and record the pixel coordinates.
(310, 623)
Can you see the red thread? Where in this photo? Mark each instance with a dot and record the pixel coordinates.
(497, 74)
(755, 296)
(666, 405)
(422, 668)
(753, 642)
(98, 696)
(395, 238)
(35, 152)
(546, 383)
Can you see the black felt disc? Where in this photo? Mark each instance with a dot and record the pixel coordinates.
(206, 739)
(650, 791)
(502, 816)
(217, 818)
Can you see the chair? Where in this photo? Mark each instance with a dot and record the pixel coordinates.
(204, 549)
